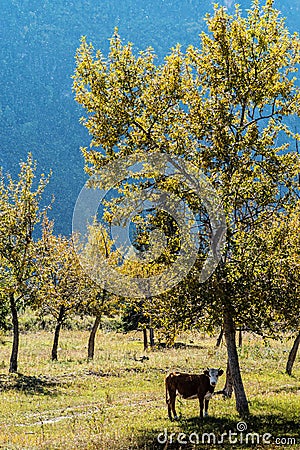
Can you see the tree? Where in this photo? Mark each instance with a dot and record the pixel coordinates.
(61, 282)
(222, 106)
(19, 205)
(97, 300)
(292, 281)
(281, 274)
(292, 355)
(287, 270)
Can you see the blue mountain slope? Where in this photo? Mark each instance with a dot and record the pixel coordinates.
(38, 43)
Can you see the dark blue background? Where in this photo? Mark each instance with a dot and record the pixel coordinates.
(38, 43)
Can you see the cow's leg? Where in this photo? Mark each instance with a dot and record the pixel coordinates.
(169, 408)
(168, 399)
(171, 404)
(207, 397)
(201, 407)
(206, 407)
(173, 400)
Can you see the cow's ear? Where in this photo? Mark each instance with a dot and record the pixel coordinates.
(206, 372)
(221, 371)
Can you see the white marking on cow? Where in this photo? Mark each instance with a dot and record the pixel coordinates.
(213, 375)
(191, 397)
(208, 395)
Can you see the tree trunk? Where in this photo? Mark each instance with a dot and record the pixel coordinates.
(151, 337)
(233, 360)
(292, 355)
(228, 388)
(13, 367)
(240, 337)
(219, 340)
(145, 339)
(56, 333)
(91, 344)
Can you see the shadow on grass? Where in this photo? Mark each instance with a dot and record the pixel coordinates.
(286, 389)
(179, 345)
(259, 431)
(28, 384)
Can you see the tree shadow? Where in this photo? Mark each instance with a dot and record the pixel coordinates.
(259, 431)
(42, 385)
(187, 346)
(291, 389)
(179, 345)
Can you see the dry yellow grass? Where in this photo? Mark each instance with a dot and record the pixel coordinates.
(118, 402)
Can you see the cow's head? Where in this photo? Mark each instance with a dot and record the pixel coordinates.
(213, 375)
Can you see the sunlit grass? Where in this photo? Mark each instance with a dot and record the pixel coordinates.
(118, 402)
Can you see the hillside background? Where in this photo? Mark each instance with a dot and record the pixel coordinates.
(38, 43)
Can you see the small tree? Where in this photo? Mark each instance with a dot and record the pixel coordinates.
(98, 301)
(292, 246)
(287, 268)
(19, 215)
(62, 284)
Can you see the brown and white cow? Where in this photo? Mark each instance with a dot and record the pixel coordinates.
(191, 386)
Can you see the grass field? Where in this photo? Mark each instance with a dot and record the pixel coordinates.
(118, 402)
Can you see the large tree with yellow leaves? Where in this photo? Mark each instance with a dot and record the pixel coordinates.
(223, 106)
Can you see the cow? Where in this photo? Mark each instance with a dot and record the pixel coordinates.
(191, 386)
